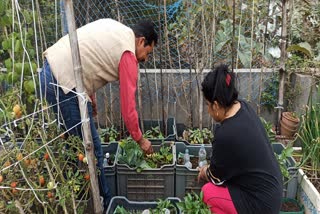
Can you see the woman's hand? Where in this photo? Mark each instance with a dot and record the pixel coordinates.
(203, 173)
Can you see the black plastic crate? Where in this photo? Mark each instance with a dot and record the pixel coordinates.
(149, 184)
(186, 180)
(137, 206)
(110, 171)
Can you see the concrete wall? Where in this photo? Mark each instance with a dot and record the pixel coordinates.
(307, 87)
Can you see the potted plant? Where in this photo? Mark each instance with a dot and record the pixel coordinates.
(286, 162)
(269, 129)
(198, 136)
(159, 130)
(109, 134)
(120, 204)
(154, 133)
(186, 179)
(193, 203)
(145, 178)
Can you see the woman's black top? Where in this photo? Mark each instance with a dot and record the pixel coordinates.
(243, 160)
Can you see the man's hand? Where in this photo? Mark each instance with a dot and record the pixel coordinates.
(203, 173)
(94, 105)
(145, 145)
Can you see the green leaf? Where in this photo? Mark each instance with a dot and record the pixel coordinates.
(303, 47)
(5, 21)
(34, 66)
(18, 67)
(3, 7)
(6, 44)
(144, 165)
(29, 86)
(288, 151)
(221, 40)
(2, 76)
(245, 58)
(8, 63)
(30, 32)
(27, 16)
(18, 46)
(12, 77)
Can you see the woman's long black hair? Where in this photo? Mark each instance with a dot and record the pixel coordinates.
(220, 85)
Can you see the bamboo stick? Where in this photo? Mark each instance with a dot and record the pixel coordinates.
(283, 44)
(89, 147)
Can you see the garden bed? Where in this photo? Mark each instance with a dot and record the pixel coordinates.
(139, 206)
(308, 194)
(146, 184)
(186, 179)
(110, 170)
(290, 184)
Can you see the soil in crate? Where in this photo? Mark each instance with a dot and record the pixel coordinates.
(289, 206)
(193, 160)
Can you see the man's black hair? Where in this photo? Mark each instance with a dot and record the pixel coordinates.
(145, 28)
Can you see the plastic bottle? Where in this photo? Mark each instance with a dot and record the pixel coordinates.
(186, 158)
(106, 160)
(202, 156)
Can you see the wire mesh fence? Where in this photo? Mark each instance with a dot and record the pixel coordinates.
(194, 35)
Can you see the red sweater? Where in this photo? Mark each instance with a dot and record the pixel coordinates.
(128, 75)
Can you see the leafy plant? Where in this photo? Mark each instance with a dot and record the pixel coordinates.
(291, 93)
(11, 108)
(157, 159)
(269, 129)
(285, 154)
(109, 134)
(216, 38)
(193, 203)
(132, 155)
(21, 67)
(34, 166)
(283, 160)
(309, 134)
(305, 44)
(198, 136)
(121, 210)
(163, 207)
(154, 133)
(305, 22)
(269, 96)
